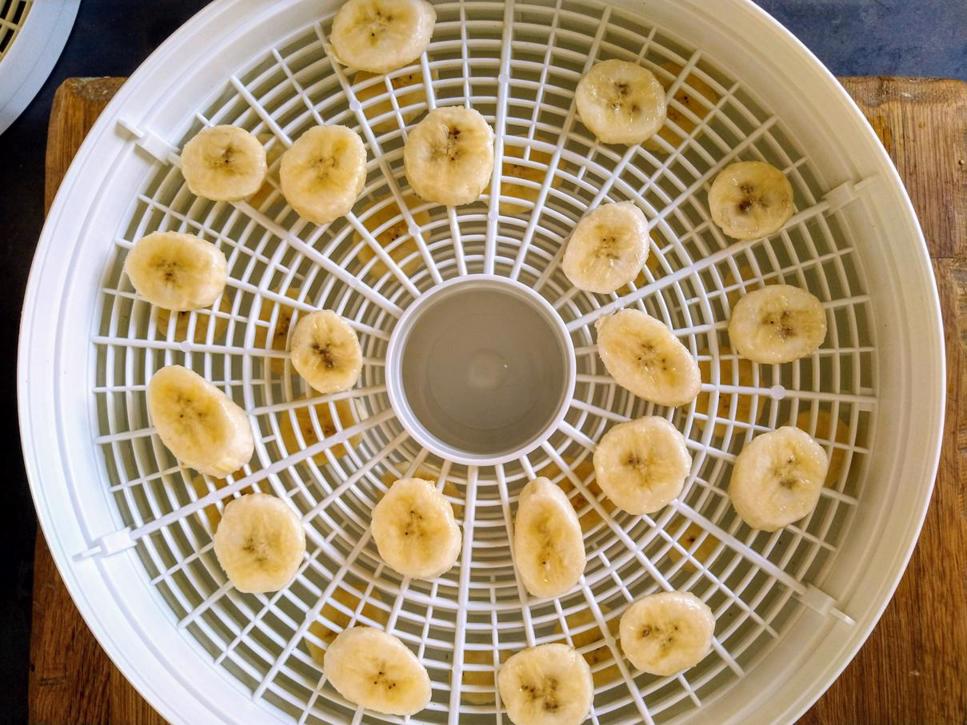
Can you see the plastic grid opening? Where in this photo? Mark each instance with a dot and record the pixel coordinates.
(13, 14)
(334, 456)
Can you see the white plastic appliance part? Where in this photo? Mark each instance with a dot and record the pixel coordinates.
(131, 531)
(32, 35)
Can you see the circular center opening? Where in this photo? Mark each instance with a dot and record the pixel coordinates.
(484, 367)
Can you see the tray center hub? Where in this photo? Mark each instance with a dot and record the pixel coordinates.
(480, 368)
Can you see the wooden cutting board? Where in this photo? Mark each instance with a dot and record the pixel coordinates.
(913, 669)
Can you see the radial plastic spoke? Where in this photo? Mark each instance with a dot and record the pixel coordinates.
(500, 129)
(299, 403)
(509, 523)
(256, 476)
(312, 253)
(619, 658)
(466, 563)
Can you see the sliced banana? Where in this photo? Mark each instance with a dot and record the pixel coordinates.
(381, 35)
(644, 357)
(663, 634)
(323, 173)
(259, 543)
(607, 248)
(449, 156)
(777, 478)
(548, 545)
(415, 530)
(198, 423)
(620, 102)
(750, 199)
(450, 490)
(223, 163)
(546, 685)
(177, 271)
(325, 351)
(375, 670)
(641, 465)
(777, 324)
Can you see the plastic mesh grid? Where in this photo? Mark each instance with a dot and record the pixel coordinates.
(333, 456)
(13, 14)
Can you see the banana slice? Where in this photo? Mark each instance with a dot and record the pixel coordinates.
(777, 478)
(777, 324)
(415, 530)
(641, 465)
(546, 685)
(607, 248)
(449, 156)
(381, 35)
(548, 545)
(259, 543)
(176, 271)
(198, 423)
(620, 102)
(663, 634)
(750, 199)
(375, 670)
(326, 352)
(644, 357)
(323, 173)
(223, 163)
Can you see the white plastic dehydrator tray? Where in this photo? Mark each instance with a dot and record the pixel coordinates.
(32, 35)
(131, 530)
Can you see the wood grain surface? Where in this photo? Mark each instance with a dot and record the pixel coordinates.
(913, 669)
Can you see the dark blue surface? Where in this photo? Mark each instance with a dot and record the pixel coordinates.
(111, 37)
(880, 37)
